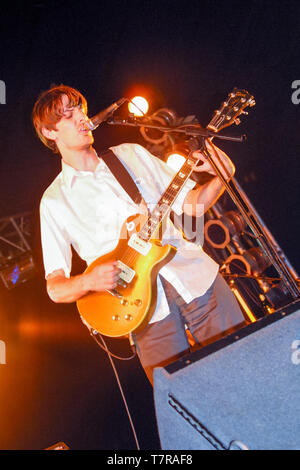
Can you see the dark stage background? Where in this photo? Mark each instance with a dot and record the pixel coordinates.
(57, 384)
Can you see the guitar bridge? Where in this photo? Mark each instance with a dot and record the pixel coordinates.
(115, 293)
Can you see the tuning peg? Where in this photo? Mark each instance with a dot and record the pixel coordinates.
(237, 121)
(252, 103)
(245, 112)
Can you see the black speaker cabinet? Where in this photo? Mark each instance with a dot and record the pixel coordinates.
(242, 392)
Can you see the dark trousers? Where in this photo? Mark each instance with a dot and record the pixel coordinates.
(208, 318)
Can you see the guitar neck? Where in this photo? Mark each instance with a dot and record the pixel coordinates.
(163, 207)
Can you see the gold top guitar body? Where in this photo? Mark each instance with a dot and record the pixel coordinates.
(132, 303)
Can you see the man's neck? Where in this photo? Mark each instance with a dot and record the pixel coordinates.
(83, 159)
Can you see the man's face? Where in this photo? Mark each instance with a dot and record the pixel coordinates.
(71, 132)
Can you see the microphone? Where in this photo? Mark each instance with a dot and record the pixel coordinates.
(94, 122)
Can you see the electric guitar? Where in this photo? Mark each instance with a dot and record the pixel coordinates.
(140, 256)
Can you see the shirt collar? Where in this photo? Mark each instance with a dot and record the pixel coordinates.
(69, 174)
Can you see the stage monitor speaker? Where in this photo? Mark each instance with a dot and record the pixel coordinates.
(241, 392)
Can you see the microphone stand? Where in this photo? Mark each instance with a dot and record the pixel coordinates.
(248, 213)
(188, 129)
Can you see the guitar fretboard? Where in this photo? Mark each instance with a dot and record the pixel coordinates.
(166, 201)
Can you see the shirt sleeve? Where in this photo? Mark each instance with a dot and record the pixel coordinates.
(56, 247)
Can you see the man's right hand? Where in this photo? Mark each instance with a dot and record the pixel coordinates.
(102, 277)
(65, 290)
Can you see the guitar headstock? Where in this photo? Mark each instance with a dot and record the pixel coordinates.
(231, 109)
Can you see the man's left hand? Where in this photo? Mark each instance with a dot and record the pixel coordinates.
(203, 164)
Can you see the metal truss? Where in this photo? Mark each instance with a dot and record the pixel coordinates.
(15, 234)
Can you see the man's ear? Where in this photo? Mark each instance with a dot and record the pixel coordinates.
(48, 133)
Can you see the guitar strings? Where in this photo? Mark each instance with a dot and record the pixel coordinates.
(130, 255)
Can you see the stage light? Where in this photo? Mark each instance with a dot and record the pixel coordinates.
(138, 106)
(176, 157)
(58, 446)
(21, 270)
(252, 261)
(175, 161)
(218, 232)
(162, 117)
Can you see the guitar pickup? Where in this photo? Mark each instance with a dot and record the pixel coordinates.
(126, 274)
(141, 246)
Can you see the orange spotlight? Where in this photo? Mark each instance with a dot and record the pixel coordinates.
(176, 157)
(138, 106)
(175, 161)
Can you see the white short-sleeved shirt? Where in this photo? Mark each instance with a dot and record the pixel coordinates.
(87, 210)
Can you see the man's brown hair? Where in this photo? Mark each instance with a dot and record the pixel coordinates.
(48, 110)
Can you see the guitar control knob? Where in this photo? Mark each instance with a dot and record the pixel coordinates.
(138, 302)
(116, 317)
(124, 302)
(128, 317)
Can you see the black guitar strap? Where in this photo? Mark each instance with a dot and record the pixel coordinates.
(126, 181)
(122, 175)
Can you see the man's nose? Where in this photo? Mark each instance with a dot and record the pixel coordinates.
(80, 115)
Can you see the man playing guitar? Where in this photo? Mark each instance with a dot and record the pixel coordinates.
(85, 207)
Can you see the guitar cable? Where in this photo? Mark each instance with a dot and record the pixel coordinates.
(110, 355)
(95, 333)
